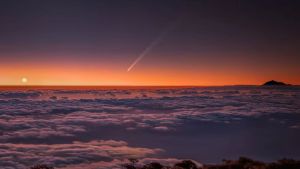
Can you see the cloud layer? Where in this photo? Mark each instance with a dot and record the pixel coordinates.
(61, 155)
(44, 125)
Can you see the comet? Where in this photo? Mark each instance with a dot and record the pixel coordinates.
(152, 45)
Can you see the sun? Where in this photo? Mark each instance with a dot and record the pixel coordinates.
(24, 80)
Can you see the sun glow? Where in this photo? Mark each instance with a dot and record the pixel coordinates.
(24, 80)
(70, 75)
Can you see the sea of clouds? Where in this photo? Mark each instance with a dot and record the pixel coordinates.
(104, 127)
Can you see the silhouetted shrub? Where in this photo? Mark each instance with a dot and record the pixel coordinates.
(153, 165)
(41, 167)
(241, 163)
(128, 166)
(133, 160)
(246, 163)
(186, 164)
(132, 164)
(285, 164)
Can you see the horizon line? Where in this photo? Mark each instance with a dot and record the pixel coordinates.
(134, 85)
(29, 86)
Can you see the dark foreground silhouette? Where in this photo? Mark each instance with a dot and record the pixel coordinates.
(241, 163)
(275, 83)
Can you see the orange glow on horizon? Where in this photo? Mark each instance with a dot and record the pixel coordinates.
(81, 76)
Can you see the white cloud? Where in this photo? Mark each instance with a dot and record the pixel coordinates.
(62, 155)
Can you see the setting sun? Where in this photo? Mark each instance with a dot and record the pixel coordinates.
(24, 80)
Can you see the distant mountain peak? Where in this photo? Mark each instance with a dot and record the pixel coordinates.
(274, 83)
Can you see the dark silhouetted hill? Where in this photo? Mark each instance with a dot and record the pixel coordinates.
(275, 83)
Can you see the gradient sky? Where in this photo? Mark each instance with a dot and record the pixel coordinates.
(94, 42)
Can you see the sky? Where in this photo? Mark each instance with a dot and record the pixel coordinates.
(149, 42)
